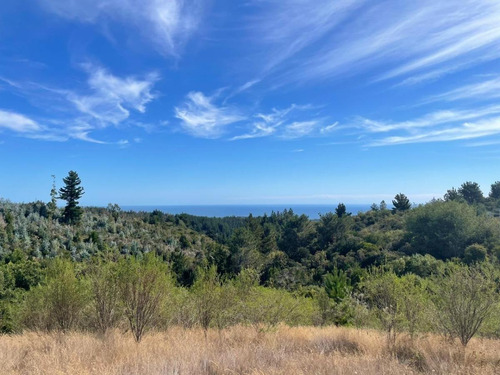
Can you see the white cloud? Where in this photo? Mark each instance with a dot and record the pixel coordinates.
(295, 121)
(439, 126)
(107, 101)
(260, 129)
(18, 123)
(329, 128)
(288, 27)
(489, 89)
(246, 86)
(277, 122)
(167, 23)
(433, 119)
(112, 97)
(416, 40)
(470, 29)
(300, 129)
(468, 130)
(202, 118)
(129, 90)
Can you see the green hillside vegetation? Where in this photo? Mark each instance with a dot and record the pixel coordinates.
(96, 269)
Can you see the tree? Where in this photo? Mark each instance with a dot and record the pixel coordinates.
(58, 303)
(401, 203)
(452, 195)
(266, 308)
(383, 206)
(337, 285)
(143, 286)
(475, 253)
(495, 190)
(464, 300)
(383, 293)
(341, 210)
(71, 193)
(442, 229)
(471, 192)
(337, 306)
(114, 210)
(104, 294)
(331, 229)
(52, 205)
(413, 302)
(206, 292)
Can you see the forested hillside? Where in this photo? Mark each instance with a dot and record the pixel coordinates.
(286, 249)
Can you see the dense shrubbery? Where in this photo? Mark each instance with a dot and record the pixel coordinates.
(139, 293)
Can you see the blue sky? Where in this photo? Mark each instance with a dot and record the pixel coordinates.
(244, 102)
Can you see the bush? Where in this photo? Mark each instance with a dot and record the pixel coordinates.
(143, 285)
(464, 300)
(475, 253)
(58, 303)
(442, 229)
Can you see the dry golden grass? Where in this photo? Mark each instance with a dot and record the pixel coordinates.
(241, 350)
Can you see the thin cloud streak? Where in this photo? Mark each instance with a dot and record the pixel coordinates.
(168, 24)
(438, 126)
(433, 119)
(465, 131)
(489, 89)
(294, 25)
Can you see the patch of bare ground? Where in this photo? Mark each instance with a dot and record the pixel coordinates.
(243, 350)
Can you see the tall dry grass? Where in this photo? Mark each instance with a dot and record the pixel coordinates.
(242, 350)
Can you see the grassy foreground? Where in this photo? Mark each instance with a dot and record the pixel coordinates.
(243, 350)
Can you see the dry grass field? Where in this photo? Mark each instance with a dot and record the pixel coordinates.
(242, 350)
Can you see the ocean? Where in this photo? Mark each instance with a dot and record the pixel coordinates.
(311, 210)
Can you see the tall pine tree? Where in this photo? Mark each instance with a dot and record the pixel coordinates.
(71, 192)
(52, 205)
(401, 203)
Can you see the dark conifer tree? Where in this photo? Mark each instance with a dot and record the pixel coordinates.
(495, 190)
(471, 192)
(401, 203)
(341, 210)
(71, 193)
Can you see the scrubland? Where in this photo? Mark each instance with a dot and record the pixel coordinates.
(243, 350)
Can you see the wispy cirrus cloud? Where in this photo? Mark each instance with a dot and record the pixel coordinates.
(412, 41)
(201, 117)
(25, 126)
(329, 128)
(168, 24)
(467, 130)
(75, 114)
(432, 119)
(266, 124)
(289, 27)
(439, 126)
(295, 121)
(484, 90)
(111, 97)
(300, 129)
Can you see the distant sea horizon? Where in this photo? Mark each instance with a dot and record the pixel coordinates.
(313, 211)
